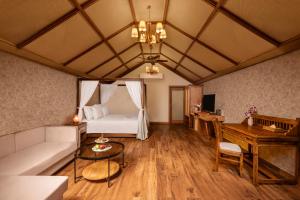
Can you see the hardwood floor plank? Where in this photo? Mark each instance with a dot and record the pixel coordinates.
(174, 163)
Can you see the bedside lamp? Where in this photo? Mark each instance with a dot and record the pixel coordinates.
(76, 119)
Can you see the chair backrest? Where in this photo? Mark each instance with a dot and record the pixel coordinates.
(218, 131)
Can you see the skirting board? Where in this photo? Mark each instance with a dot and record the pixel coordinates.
(113, 135)
(159, 123)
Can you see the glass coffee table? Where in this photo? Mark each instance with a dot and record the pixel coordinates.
(103, 167)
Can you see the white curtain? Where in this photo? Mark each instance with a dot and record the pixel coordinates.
(87, 89)
(107, 90)
(135, 91)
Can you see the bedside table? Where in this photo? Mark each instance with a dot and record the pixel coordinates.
(81, 132)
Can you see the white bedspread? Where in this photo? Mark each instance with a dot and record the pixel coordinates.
(114, 123)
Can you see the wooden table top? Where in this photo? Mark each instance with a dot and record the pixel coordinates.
(256, 131)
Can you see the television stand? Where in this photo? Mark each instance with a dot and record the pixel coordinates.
(203, 123)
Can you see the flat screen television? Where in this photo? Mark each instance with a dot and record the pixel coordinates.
(208, 103)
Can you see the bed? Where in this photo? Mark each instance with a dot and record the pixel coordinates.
(114, 123)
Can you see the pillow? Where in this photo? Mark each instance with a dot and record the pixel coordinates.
(105, 110)
(88, 112)
(97, 111)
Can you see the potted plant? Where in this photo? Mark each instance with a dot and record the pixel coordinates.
(252, 110)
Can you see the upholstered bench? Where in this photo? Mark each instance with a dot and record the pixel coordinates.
(33, 187)
(39, 151)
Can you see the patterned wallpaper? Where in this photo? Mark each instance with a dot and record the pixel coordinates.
(272, 86)
(33, 95)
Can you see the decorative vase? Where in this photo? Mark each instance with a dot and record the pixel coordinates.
(250, 121)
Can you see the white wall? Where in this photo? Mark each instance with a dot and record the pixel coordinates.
(158, 92)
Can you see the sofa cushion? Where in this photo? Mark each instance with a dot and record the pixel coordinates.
(35, 159)
(7, 145)
(28, 138)
(33, 187)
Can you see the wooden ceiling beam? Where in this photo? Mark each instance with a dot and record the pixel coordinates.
(177, 72)
(111, 58)
(244, 23)
(284, 48)
(54, 24)
(205, 25)
(202, 43)
(135, 21)
(166, 9)
(97, 44)
(131, 69)
(95, 28)
(120, 66)
(196, 61)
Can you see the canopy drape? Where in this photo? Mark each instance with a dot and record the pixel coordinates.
(135, 91)
(87, 89)
(106, 91)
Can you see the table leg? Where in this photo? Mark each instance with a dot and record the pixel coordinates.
(123, 159)
(255, 164)
(74, 170)
(108, 172)
(207, 130)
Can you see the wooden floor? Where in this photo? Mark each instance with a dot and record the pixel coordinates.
(174, 163)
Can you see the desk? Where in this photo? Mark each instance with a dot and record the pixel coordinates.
(257, 137)
(203, 122)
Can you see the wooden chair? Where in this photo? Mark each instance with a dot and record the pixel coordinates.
(227, 151)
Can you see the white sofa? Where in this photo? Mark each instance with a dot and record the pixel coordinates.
(39, 151)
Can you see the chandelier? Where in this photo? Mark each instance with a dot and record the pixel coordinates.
(152, 69)
(145, 33)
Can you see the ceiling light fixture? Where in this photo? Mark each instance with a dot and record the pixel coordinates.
(144, 31)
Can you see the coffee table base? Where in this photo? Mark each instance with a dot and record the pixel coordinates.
(99, 170)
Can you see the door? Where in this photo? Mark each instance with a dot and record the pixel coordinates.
(176, 111)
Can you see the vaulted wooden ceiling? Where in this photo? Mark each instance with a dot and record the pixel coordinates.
(206, 38)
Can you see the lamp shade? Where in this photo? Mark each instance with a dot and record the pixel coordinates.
(159, 27)
(143, 37)
(134, 33)
(153, 39)
(142, 26)
(163, 34)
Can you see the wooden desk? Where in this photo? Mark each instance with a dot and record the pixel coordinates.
(257, 137)
(203, 122)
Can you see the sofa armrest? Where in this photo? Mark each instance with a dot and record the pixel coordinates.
(61, 134)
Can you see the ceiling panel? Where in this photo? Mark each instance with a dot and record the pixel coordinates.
(65, 41)
(157, 9)
(187, 73)
(110, 16)
(174, 55)
(146, 48)
(189, 15)
(177, 39)
(122, 40)
(233, 40)
(198, 69)
(116, 73)
(170, 63)
(134, 62)
(92, 58)
(130, 53)
(20, 19)
(107, 67)
(279, 19)
(208, 57)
